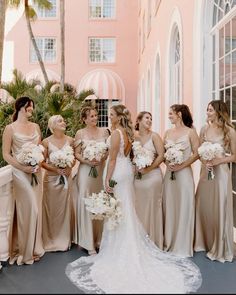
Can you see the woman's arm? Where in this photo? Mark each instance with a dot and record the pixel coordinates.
(114, 149)
(159, 146)
(6, 151)
(194, 140)
(232, 156)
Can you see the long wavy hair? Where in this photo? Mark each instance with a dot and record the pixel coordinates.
(139, 118)
(223, 121)
(125, 120)
(21, 102)
(185, 114)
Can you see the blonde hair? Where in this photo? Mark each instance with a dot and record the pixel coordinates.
(53, 121)
(125, 120)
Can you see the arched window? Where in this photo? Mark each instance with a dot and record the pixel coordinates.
(175, 67)
(148, 95)
(224, 59)
(156, 102)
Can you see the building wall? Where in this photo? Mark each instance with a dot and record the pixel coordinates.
(78, 28)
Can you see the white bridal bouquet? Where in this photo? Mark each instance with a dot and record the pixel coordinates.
(174, 155)
(31, 154)
(63, 158)
(142, 157)
(94, 150)
(208, 151)
(104, 205)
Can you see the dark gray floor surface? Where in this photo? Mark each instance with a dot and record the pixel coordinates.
(48, 275)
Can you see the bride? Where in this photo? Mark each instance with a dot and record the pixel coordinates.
(128, 261)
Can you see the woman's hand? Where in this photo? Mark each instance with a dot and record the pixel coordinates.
(108, 189)
(30, 169)
(175, 168)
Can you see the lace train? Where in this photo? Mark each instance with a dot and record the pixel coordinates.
(128, 261)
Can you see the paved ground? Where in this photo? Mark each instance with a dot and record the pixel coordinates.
(48, 275)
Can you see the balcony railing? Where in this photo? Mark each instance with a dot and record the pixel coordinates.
(6, 210)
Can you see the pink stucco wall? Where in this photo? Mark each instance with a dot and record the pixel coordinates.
(78, 29)
(159, 38)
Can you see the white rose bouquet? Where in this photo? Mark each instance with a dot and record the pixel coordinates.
(63, 158)
(94, 150)
(142, 157)
(104, 206)
(32, 155)
(208, 151)
(174, 155)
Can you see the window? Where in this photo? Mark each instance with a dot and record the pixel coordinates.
(177, 62)
(143, 32)
(47, 48)
(149, 20)
(103, 106)
(102, 9)
(223, 63)
(149, 94)
(44, 13)
(102, 50)
(157, 102)
(157, 4)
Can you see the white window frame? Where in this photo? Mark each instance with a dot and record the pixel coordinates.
(102, 8)
(44, 12)
(215, 31)
(102, 61)
(149, 18)
(157, 5)
(42, 52)
(156, 86)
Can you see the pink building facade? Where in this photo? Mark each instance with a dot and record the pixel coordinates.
(148, 54)
(187, 54)
(100, 47)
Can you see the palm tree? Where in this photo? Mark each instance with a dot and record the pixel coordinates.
(3, 5)
(62, 29)
(30, 15)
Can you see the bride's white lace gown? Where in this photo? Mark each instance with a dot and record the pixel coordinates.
(128, 261)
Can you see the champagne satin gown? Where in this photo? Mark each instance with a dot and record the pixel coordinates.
(87, 232)
(26, 233)
(179, 205)
(56, 210)
(214, 212)
(148, 201)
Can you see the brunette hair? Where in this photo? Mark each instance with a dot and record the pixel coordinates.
(139, 118)
(85, 112)
(21, 102)
(185, 114)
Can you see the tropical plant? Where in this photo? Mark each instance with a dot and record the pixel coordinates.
(68, 104)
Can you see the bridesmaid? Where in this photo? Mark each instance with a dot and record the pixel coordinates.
(148, 189)
(179, 194)
(56, 196)
(214, 207)
(88, 232)
(26, 234)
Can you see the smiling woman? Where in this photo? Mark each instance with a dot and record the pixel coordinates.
(25, 240)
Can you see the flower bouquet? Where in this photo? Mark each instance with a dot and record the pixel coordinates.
(104, 206)
(31, 154)
(174, 155)
(208, 151)
(63, 158)
(94, 151)
(142, 157)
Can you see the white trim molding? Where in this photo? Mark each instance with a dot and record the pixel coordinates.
(156, 90)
